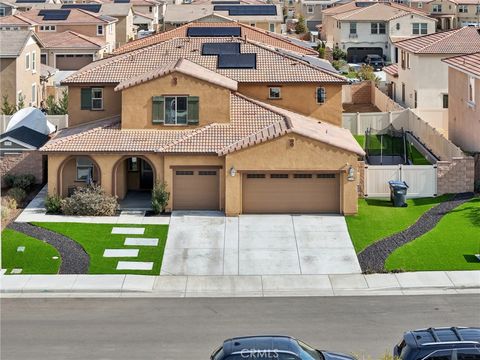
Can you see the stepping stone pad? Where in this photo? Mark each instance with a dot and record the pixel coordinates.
(128, 231)
(120, 253)
(141, 241)
(134, 265)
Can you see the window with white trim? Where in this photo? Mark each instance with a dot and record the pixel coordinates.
(309, 9)
(34, 94)
(176, 110)
(274, 92)
(97, 99)
(419, 28)
(462, 8)
(34, 61)
(27, 61)
(437, 8)
(84, 168)
(321, 95)
(47, 28)
(377, 28)
(471, 90)
(420, 5)
(99, 30)
(271, 27)
(2, 11)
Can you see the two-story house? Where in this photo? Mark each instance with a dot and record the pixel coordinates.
(468, 12)
(362, 28)
(420, 79)
(227, 123)
(73, 37)
(7, 8)
(20, 67)
(464, 102)
(267, 16)
(312, 11)
(451, 14)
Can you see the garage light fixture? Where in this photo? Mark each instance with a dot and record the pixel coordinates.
(351, 173)
(233, 171)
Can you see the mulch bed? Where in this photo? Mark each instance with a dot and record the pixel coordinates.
(74, 258)
(372, 258)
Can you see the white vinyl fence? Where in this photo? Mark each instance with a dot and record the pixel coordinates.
(421, 179)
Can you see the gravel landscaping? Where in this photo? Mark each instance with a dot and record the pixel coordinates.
(372, 259)
(74, 258)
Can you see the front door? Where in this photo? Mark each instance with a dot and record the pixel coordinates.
(146, 175)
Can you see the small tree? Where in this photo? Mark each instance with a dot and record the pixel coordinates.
(321, 50)
(63, 103)
(339, 54)
(366, 73)
(21, 102)
(7, 108)
(300, 27)
(160, 197)
(51, 105)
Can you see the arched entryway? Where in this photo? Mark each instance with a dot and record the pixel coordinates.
(133, 179)
(77, 171)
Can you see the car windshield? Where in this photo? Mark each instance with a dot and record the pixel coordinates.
(309, 353)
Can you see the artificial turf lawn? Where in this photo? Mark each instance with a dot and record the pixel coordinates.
(95, 238)
(451, 245)
(377, 218)
(36, 259)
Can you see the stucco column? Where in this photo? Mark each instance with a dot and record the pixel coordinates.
(54, 163)
(233, 190)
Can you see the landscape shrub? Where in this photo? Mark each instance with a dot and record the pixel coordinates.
(8, 180)
(89, 201)
(53, 204)
(18, 194)
(25, 181)
(8, 204)
(160, 197)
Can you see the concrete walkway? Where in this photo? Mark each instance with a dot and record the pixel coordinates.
(415, 283)
(36, 212)
(208, 243)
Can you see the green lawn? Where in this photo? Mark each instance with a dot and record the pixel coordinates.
(36, 259)
(95, 238)
(451, 245)
(377, 219)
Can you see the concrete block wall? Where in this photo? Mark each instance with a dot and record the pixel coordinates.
(455, 176)
(29, 162)
(359, 93)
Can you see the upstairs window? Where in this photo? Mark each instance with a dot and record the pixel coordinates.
(34, 61)
(397, 26)
(419, 28)
(271, 27)
(437, 8)
(175, 110)
(353, 28)
(420, 5)
(478, 10)
(150, 9)
(377, 28)
(462, 8)
(274, 93)
(471, 90)
(27, 61)
(99, 30)
(91, 99)
(47, 28)
(321, 95)
(2, 11)
(309, 9)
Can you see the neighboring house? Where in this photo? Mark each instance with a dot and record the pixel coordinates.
(363, 28)
(188, 123)
(267, 17)
(468, 12)
(312, 11)
(152, 8)
(143, 21)
(20, 67)
(26, 5)
(464, 101)
(7, 8)
(421, 78)
(54, 20)
(20, 140)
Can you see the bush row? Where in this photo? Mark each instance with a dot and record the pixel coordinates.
(24, 182)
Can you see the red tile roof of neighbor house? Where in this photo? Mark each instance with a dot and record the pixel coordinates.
(271, 66)
(391, 69)
(249, 32)
(252, 122)
(352, 6)
(465, 40)
(377, 12)
(70, 40)
(16, 19)
(466, 63)
(76, 16)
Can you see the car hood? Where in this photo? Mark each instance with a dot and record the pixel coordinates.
(336, 356)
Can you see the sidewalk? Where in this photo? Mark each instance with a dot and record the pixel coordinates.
(36, 212)
(414, 283)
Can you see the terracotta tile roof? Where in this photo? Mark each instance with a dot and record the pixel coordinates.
(76, 16)
(147, 16)
(12, 43)
(378, 12)
(391, 69)
(136, 2)
(271, 66)
(466, 63)
(185, 67)
(70, 40)
(250, 32)
(251, 123)
(465, 40)
(17, 20)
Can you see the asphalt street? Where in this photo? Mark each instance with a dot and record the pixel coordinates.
(180, 329)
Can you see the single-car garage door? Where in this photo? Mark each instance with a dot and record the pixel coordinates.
(196, 189)
(291, 193)
(72, 61)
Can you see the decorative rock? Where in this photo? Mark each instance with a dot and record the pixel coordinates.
(120, 253)
(134, 265)
(128, 231)
(141, 241)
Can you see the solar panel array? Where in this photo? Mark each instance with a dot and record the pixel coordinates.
(30, 1)
(121, 1)
(88, 7)
(237, 61)
(225, 2)
(201, 31)
(220, 48)
(252, 10)
(57, 14)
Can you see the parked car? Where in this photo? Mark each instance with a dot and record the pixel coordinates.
(460, 343)
(272, 347)
(375, 61)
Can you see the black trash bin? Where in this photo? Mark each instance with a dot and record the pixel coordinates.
(398, 193)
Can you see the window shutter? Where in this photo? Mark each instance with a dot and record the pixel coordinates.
(193, 112)
(158, 113)
(86, 99)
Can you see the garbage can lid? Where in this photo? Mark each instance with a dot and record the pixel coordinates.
(398, 184)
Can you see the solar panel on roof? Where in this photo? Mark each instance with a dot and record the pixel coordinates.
(213, 31)
(242, 10)
(57, 14)
(88, 7)
(121, 1)
(30, 1)
(221, 2)
(220, 48)
(237, 61)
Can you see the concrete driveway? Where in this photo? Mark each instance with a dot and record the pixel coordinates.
(208, 243)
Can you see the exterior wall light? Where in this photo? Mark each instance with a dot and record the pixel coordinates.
(351, 173)
(233, 171)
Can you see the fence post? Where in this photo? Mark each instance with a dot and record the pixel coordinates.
(357, 118)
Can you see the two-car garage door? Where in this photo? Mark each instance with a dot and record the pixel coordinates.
(291, 193)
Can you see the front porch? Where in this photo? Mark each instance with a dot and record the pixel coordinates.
(137, 200)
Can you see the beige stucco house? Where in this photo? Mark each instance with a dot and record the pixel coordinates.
(20, 67)
(221, 120)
